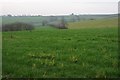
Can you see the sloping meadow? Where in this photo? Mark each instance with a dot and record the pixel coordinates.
(75, 52)
(61, 53)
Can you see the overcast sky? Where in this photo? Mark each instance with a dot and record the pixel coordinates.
(58, 7)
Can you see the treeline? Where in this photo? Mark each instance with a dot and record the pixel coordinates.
(18, 26)
(60, 24)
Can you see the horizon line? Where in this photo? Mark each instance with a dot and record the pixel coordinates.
(59, 14)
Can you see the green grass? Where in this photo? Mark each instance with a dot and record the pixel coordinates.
(99, 23)
(51, 52)
(44, 28)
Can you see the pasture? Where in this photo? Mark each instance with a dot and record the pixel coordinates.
(74, 52)
(99, 23)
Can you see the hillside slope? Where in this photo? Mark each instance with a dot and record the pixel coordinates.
(107, 22)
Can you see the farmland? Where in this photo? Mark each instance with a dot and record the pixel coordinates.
(73, 52)
(37, 20)
(99, 23)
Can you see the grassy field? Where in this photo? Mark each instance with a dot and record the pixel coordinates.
(99, 23)
(61, 53)
(48, 52)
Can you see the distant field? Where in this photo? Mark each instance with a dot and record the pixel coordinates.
(37, 20)
(31, 20)
(61, 53)
(99, 23)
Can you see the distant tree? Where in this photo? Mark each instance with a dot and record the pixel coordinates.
(39, 15)
(53, 18)
(78, 17)
(60, 25)
(9, 15)
(17, 27)
(72, 14)
(63, 23)
(73, 17)
(44, 22)
(92, 19)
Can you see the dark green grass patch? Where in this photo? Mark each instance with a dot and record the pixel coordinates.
(61, 53)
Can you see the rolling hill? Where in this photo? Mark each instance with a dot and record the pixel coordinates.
(105, 22)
